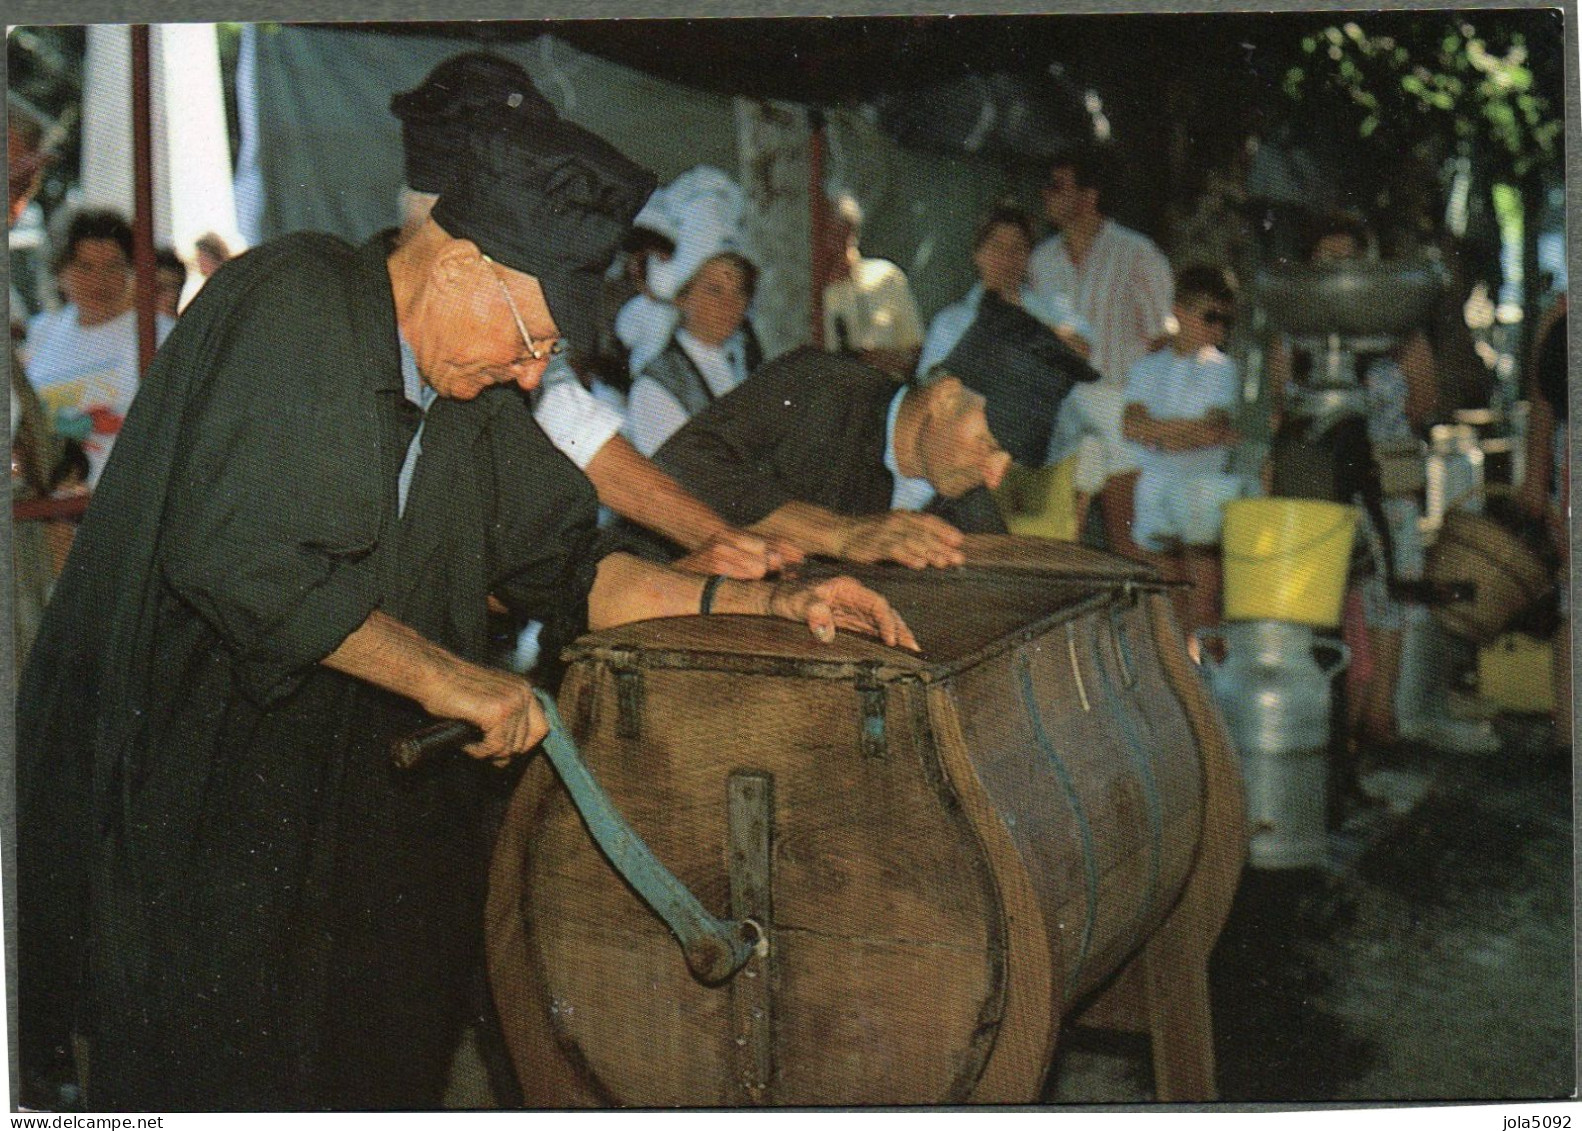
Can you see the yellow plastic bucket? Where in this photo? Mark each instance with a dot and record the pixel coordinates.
(1514, 673)
(1040, 501)
(1287, 559)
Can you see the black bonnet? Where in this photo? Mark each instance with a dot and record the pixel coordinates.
(1023, 369)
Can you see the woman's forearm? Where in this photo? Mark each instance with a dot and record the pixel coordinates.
(634, 487)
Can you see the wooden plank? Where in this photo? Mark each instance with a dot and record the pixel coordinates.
(1047, 556)
(1175, 961)
(641, 1031)
(865, 858)
(1106, 824)
(878, 1021)
(542, 1070)
(755, 639)
(1119, 1005)
(1030, 1022)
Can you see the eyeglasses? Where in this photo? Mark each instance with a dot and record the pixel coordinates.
(1219, 318)
(534, 350)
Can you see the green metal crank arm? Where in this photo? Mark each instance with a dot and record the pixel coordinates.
(714, 949)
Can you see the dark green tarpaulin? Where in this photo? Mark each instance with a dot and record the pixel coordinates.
(330, 154)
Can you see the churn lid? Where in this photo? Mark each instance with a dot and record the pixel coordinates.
(1009, 586)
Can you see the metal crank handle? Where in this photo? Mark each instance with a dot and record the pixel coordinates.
(421, 745)
(714, 949)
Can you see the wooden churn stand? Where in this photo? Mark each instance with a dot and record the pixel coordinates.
(943, 857)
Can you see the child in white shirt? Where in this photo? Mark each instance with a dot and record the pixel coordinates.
(1178, 411)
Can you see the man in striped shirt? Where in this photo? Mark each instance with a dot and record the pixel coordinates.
(1122, 284)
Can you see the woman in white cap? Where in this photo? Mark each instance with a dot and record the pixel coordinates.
(710, 353)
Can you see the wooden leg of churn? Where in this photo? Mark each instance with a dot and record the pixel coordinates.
(1174, 963)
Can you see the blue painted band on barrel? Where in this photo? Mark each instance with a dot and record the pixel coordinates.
(1090, 864)
(1151, 800)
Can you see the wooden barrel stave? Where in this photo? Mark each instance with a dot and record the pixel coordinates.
(855, 917)
(1095, 811)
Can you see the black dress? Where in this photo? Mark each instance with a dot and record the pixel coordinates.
(809, 427)
(222, 881)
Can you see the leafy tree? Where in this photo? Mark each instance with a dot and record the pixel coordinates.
(1483, 85)
(1441, 78)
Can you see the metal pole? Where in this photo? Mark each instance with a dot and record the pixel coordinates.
(818, 217)
(143, 176)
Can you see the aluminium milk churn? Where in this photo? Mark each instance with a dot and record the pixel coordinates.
(1275, 694)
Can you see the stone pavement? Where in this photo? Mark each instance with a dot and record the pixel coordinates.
(1432, 960)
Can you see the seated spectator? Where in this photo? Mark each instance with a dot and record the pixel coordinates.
(1001, 248)
(1178, 406)
(869, 311)
(83, 358)
(170, 279)
(700, 213)
(710, 353)
(830, 455)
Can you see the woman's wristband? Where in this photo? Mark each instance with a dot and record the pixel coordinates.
(710, 587)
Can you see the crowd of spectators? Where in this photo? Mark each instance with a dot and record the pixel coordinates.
(663, 374)
(282, 611)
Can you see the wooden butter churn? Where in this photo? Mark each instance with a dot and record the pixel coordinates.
(1037, 820)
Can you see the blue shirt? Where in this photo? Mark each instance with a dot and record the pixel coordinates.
(420, 393)
(910, 493)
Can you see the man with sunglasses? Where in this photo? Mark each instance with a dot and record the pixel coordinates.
(223, 885)
(1178, 411)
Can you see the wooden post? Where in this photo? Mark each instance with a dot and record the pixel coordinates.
(143, 217)
(818, 223)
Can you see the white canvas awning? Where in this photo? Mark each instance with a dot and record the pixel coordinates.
(191, 154)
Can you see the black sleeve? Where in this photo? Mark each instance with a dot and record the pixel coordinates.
(277, 503)
(726, 455)
(544, 544)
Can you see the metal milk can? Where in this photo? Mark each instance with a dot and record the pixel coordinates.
(1275, 695)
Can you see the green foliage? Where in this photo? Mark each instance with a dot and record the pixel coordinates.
(44, 66)
(1439, 75)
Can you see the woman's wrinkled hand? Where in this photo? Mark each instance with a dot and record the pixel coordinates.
(841, 602)
(741, 554)
(499, 703)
